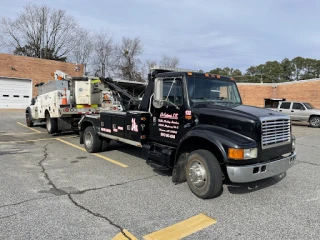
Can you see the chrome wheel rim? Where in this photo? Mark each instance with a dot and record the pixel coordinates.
(88, 139)
(197, 174)
(315, 121)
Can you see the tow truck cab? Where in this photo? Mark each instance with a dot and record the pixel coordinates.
(197, 125)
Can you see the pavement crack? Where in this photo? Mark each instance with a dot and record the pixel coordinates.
(96, 214)
(306, 145)
(313, 164)
(18, 203)
(54, 189)
(112, 185)
(57, 191)
(11, 215)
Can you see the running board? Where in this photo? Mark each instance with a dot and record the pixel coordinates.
(119, 139)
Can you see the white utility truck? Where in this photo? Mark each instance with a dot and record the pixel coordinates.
(61, 102)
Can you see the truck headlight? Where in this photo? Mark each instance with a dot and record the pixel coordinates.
(242, 154)
(293, 143)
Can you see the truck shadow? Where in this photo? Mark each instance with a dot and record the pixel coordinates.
(125, 148)
(136, 152)
(244, 188)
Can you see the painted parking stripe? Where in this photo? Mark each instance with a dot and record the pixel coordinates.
(120, 236)
(182, 229)
(34, 140)
(18, 133)
(95, 154)
(29, 127)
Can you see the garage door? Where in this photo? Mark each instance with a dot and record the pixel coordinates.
(15, 93)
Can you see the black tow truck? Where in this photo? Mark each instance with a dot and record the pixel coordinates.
(196, 125)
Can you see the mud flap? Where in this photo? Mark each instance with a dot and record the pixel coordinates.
(81, 136)
(179, 170)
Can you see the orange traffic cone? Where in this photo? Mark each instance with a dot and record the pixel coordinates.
(64, 98)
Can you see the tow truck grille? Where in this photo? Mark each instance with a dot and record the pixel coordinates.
(275, 132)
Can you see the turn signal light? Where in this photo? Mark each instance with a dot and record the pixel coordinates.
(235, 153)
(242, 154)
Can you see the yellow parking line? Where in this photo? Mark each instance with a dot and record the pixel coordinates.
(182, 229)
(34, 140)
(95, 154)
(17, 133)
(29, 127)
(120, 236)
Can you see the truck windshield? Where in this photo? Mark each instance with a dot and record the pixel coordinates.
(219, 91)
(309, 106)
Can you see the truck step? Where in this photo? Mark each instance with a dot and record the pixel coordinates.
(158, 155)
(157, 166)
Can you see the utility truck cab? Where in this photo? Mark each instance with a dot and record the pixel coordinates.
(196, 125)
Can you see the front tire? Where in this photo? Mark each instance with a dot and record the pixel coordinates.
(29, 120)
(204, 175)
(92, 142)
(314, 121)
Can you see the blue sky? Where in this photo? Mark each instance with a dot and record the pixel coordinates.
(203, 33)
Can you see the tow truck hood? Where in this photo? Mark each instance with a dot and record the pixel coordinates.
(241, 118)
(243, 112)
(256, 111)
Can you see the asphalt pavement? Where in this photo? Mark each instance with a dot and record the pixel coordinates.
(51, 188)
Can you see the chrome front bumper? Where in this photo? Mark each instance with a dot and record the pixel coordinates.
(251, 173)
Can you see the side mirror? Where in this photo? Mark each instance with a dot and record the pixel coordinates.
(158, 93)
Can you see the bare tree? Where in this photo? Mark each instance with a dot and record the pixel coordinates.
(103, 61)
(83, 47)
(167, 61)
(146, 66)
(40, 31)
(128, 62)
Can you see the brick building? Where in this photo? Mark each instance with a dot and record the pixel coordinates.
(19, 74)
(304, 90)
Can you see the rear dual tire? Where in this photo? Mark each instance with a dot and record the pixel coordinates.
(92, 142)
(51, 124)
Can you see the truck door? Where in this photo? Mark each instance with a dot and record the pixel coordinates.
(298, 112)
(167, 120)
(285, 108)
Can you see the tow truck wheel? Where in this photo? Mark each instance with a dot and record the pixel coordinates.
(29, 120)
(51, 124)
(315, 121)
(92, 142)
(204, 175)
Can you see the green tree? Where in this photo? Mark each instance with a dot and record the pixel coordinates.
(286, 70)
(298, 65)
(309, 70)
(251, 71)
(216, 71)
(236, 72)
(271, 71)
